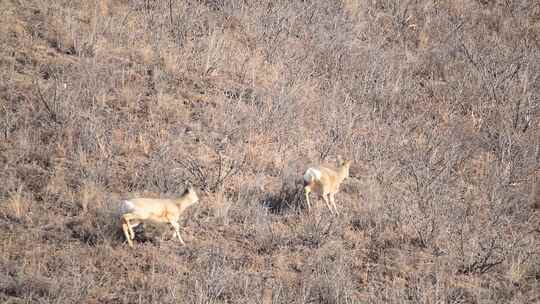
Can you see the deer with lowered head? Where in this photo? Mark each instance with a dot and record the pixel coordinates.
(325, 182)
(138, 210)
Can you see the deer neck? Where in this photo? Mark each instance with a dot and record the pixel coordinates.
(183, 203)
(343, 172)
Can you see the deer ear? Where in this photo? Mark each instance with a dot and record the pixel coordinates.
(339, 159)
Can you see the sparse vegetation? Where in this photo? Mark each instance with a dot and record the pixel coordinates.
(435, 102)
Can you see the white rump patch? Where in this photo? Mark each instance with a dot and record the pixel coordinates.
(127, 206)
(312, 174)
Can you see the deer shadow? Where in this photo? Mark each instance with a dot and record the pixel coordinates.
(290, 198)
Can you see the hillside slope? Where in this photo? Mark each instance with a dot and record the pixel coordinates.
(436, 103)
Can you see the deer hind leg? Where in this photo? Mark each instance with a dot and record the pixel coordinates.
(307, 190)
(126, 227)
(326, 200)
(133, 225)
(132, 221)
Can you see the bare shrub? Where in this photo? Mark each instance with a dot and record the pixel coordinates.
(214, 177)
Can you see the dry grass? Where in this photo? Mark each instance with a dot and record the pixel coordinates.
(436, 103)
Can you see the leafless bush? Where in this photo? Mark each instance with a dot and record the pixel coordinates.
(213, 177)
(330, 280)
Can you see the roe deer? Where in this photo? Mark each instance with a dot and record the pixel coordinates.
(137, 210)
(325, 182)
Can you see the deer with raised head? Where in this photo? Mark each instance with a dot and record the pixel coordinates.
(138, 210)
(325, 182)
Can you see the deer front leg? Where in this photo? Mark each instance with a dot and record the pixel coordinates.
(176, 227)
(331, 197)
(325, 198)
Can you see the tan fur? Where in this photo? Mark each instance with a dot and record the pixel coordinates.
(138, 210)
(327, 184)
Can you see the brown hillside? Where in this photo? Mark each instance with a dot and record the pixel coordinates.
(435, 102)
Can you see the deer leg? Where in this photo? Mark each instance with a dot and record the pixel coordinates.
(129, 218)
(307, 190)
(331, 197)
(325, 198)
(131, 229)
(126, 227)
(176, 227)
